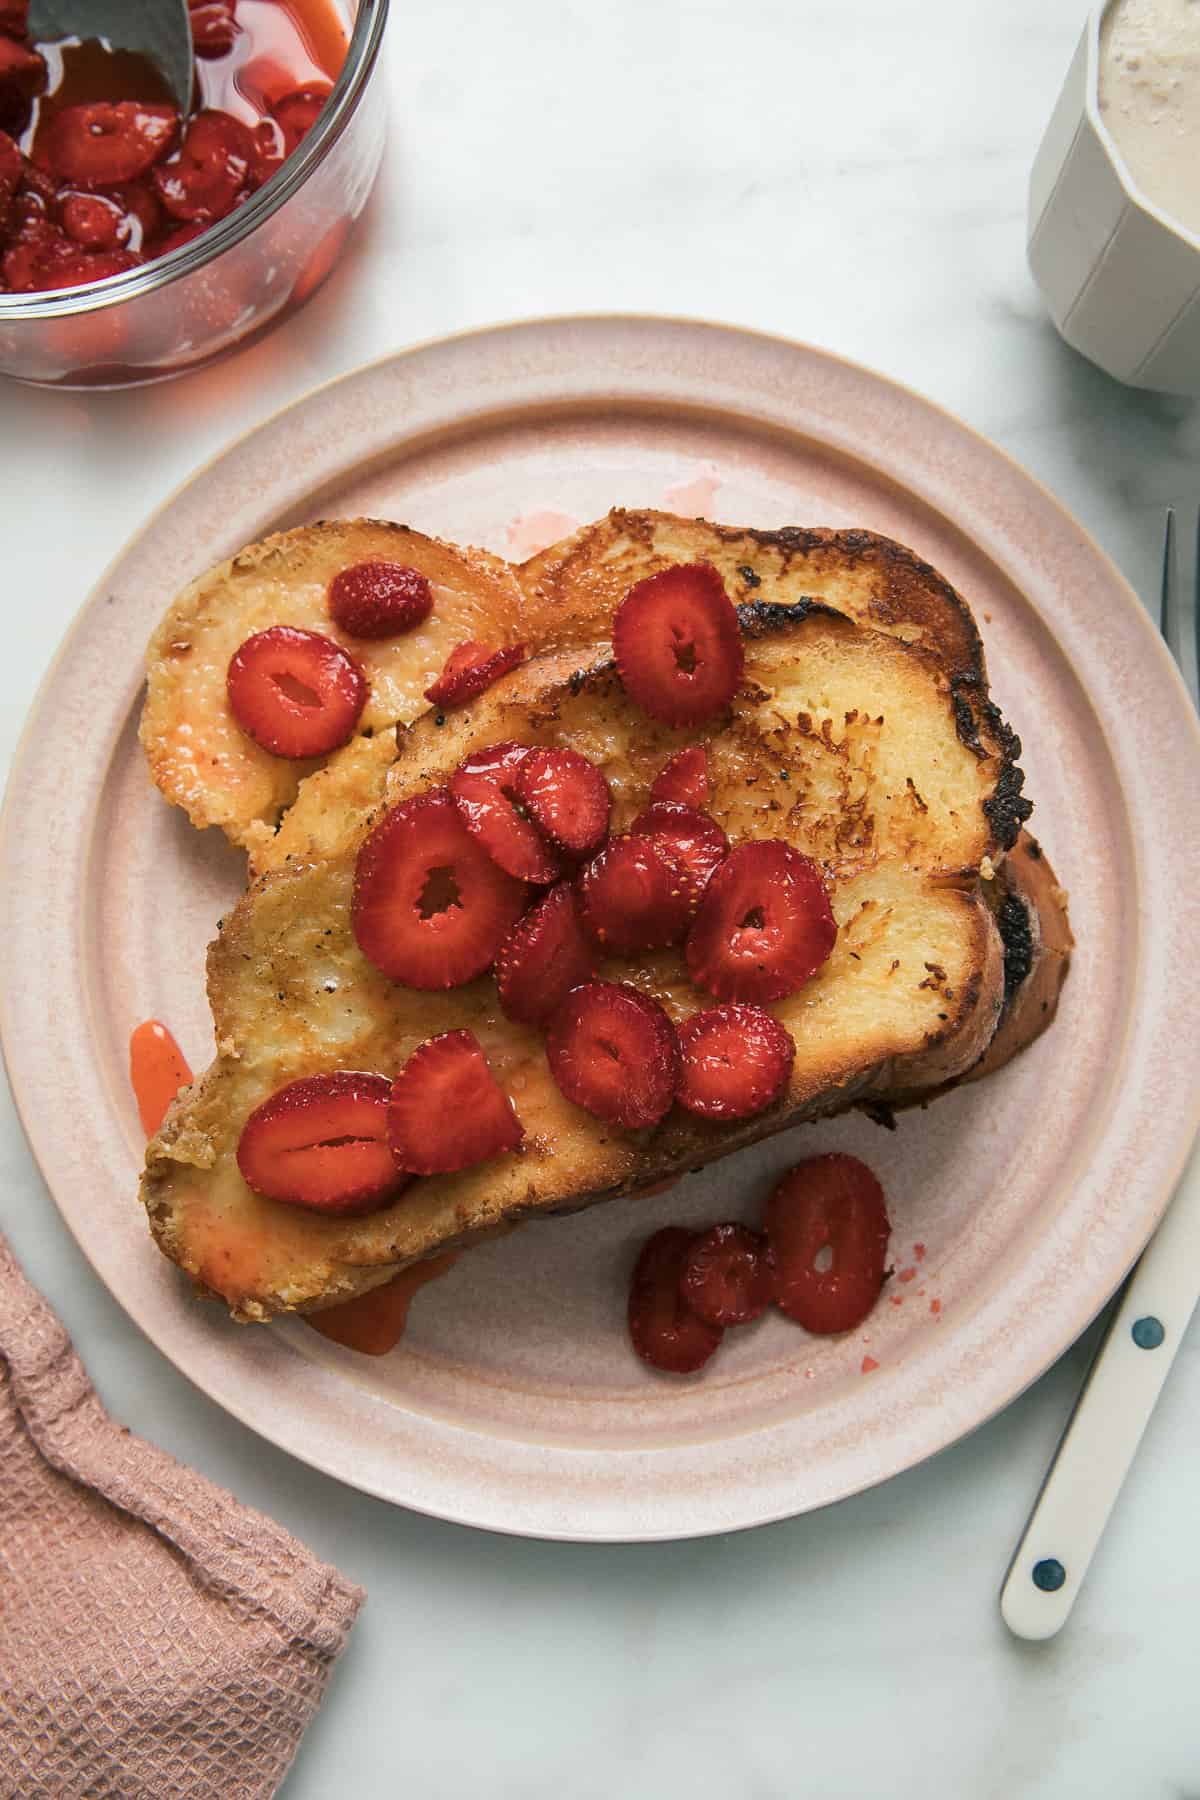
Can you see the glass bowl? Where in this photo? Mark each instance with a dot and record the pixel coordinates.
(244, 274)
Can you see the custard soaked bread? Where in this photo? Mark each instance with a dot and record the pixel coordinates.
(200, 756)
(841, 743)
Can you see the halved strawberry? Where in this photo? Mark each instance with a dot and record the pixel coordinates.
(447, 1111)
(683, 777)
(734, 1061)
(546, 954)
(726, 1276)
(297, 112)
(764, 925)
(612, 1051)
(635, 896)
(484, 787)
(379, 599)
(33, 256)
(430, 907)
(691, 838)
(105, 141)
(830, 1203)
(202, 181)
(214, 26)
(322, 1142)
(470, 668)
(567, 797)
(666, 1333)
(295, 692)
(678, 645)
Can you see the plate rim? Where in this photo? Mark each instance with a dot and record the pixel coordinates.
(25, 1100)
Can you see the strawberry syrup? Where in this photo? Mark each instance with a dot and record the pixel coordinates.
(157, 1071)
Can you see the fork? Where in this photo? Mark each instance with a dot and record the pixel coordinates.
(1135, 1355)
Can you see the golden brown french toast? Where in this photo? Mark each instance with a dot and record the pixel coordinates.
(856, 748)
(198, 754)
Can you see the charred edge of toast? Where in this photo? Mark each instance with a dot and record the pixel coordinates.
(1016, 935)
(895, 561)
(1008, 808)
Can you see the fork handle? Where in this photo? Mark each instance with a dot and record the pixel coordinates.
(1105, 1429)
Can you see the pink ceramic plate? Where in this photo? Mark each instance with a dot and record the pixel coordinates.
(515, 1402)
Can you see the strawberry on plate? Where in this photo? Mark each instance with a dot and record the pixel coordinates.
(486, 786)
(829, 1204)
(678, 645)
(430, 907)
(546, 954)
(447, 1110)
(295, 692)
(734, 1061)
(764, 926)
(726, 1278)
(612, 1050)
(666, 1333)
(691, 837)
(322, 1143)
(379, 599)
(683, 777)
(567, 798)
(470, 669)
(635, 896)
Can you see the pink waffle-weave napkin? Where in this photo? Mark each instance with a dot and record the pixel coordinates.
(157, 1638)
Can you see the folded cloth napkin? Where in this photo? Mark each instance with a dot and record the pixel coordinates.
(156, 1637)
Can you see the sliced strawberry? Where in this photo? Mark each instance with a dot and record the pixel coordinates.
(612, 1051)
(297, 113)
(269, 151)
(86, 266)
(635, 896)
(202, 181)
(544, 956)
(692, 839)
(430, 907)
(379, 599)
(678, 645)
(295, 692)
(470, 668)
(666, 1333)
(103, 142)
(12, 17)
(92, 220)
(567, 797)
(214, 27)
(734, 1061)
(484, 787)
(322, 1142)
(830, 1204)
(764, 925)
(726, 1276)
(32, 258)
(22, 79)
(447, 1110)
(683, 777)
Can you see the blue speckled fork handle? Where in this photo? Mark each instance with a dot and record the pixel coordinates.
(1105, 1429)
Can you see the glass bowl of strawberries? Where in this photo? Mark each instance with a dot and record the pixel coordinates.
(138, 241)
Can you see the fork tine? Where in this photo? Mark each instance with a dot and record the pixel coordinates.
(1167, 623)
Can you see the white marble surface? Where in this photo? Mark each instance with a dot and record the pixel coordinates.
(861, 186)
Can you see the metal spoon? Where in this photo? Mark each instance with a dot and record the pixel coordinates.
(159, 30)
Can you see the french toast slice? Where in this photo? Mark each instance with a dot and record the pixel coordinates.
(198, 754)
(850, 744)
(573, 588)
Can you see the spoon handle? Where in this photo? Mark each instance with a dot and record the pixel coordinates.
(1105, 1429)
